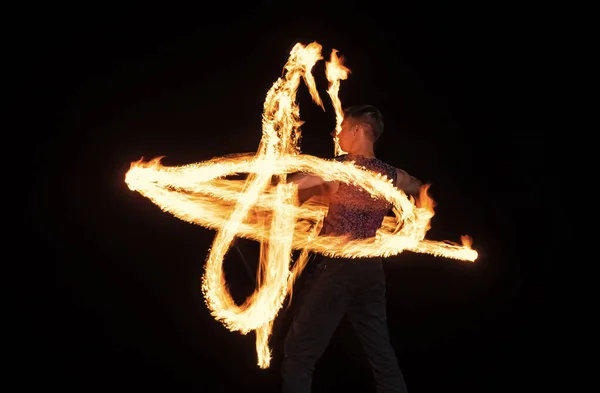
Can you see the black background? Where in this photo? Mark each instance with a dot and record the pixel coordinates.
(116, 302)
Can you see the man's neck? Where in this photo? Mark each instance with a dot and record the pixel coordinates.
(367, 153)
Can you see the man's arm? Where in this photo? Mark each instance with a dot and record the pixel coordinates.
(305, 181)
(407, 183)
(308, 186)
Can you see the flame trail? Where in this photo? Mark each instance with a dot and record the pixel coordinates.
(336, 72)
(256, 209)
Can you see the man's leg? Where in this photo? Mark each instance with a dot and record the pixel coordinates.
(368, 316)
(321, 310)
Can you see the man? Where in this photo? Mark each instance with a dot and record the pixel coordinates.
(355, 288)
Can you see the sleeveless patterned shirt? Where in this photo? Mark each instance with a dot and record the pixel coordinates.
(352, 210)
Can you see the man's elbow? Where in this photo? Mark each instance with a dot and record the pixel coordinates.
(414, 187)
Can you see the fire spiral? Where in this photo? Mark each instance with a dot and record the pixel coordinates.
(265, 208)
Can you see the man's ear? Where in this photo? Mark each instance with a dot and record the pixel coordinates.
(365, 129)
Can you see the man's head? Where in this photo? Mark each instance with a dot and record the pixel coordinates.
(363, 124)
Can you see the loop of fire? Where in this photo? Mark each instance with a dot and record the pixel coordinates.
(265, 208)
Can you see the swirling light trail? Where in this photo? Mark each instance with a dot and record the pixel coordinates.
(265, 208)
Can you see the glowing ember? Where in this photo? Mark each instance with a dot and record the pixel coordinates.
(265, 208)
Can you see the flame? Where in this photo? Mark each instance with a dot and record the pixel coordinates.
(336, 72)
(268, 211)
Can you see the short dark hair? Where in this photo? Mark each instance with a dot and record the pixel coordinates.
(367, 114)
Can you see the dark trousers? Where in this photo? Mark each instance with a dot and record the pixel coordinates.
(352, 287)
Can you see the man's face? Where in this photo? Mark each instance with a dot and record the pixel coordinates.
(346, 134)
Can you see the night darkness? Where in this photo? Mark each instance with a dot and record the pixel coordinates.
(117, 304)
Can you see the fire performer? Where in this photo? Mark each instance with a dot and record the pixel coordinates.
(351, 287)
